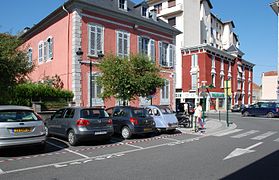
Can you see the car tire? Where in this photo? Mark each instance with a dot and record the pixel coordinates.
(245, 114)
(270, 115)
(126, 132)
(72, 138)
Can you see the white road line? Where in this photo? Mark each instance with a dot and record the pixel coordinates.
(1, 171)
(133, 146)
(245, 134)
(265, 135)
(276, 140)
(227, 133)
(172, 139)
(71, 151)
(84, 159)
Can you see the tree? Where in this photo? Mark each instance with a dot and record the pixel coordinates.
(128, 78)
(14, 65)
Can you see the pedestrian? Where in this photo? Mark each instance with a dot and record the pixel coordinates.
(198, 117)
(186, 108)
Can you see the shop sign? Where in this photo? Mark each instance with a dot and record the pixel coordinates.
(217, 95)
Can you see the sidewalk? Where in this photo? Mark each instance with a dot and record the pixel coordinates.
(212, 126)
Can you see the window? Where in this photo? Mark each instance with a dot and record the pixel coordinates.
(165, 93)
(96, 90)
(213, 62)
(194, 60)
(49, 48)
(166, 54)
(122, 4)
(213, 78)
(147, 47)
(171, 3)
(59, 114)
(29, 55)
(95, 39)
(144, 12)
(238, 85)
(40, 51)
(123, 44)
(158, 8)
(172, 21)
(194, 82)
(69, 113)
(222, 82)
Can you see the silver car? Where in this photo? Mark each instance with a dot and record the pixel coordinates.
(20, 125)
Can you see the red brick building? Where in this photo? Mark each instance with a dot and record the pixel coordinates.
(215, 66)
(99, 27)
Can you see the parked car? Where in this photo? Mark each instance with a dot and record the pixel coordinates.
(268, 109)
(129, 120)
(20, 125)
(164, 118)
(80, 124)
(237, 107)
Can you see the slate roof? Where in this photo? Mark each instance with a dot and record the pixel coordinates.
(234, 49)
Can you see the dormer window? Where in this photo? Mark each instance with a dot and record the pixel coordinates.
(122, 4)
(144, 11)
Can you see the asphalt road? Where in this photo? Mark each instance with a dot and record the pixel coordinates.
(248, 151)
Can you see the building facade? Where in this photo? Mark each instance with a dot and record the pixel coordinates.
(99, 28)
(269, 86)
(210, 52)
(257, 93)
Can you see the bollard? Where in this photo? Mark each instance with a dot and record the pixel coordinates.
(219, 116)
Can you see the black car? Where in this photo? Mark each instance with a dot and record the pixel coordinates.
(129, 120)
(80, 123)
(268, 109)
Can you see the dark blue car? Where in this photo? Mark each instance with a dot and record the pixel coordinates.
(267, 109)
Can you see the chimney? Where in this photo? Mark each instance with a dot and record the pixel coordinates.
(153, 14)
(26, 29)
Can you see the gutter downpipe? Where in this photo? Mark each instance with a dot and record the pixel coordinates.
(68, 45)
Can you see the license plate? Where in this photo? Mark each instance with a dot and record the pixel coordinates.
(100, 133)
(147, 129)
(21, 130)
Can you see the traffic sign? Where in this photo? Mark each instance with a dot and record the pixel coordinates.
(228, 86)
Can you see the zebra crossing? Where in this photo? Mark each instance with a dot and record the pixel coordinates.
(252, 134)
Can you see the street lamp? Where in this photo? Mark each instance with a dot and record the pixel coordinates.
(79, 53)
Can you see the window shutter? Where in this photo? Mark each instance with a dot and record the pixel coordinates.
(152, 50)
(119, 44)
(160, 52)
(139, 45)
(99, 39)
(45, 50)
(171, 55)
(51, 48)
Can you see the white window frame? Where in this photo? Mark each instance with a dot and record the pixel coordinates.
(96, 101)
(123, 33)
(213, 79)
(125, 6)
(165, 93)
(30, 56)
(150, 47)
(194, 60)
(90, 45)
(146, 15)
(49, 49)
(222, 81)
(194, 81)
(168, 52)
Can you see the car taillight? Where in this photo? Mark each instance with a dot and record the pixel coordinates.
(82, 122)
(109, 122)
(277, 109)
(134, 121)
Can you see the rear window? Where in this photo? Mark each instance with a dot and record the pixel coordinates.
(93, 113)
(165, 110)
(140, 113)
(17, 116)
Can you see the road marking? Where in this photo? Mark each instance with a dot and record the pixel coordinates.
(265, 135)
(71, 151)
(276, 140)
(1, 171)
(133, 146)
(173, 139)
(227, 133)
(240, 151)
(245, 134)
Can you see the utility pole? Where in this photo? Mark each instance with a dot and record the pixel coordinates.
(228, 93)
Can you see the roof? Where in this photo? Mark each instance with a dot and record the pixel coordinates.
(108, 5)
(275, 6)
(270, 73)
(228, 22)
(209, 4)
(234, 49)
(255, 86)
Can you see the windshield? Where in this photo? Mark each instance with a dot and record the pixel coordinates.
(93, 113)
(165, 110)
(139, 113)
(17, 116)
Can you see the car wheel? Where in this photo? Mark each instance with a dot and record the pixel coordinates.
(126, 132)
(72, 139)
(245, 114)
(270, 115)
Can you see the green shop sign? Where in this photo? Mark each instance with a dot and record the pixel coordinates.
(217, 95)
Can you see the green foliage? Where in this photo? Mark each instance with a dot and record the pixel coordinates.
(24, 94)
(14, 66)
(128, 78)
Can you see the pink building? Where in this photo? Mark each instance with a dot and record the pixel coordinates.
(100, 27)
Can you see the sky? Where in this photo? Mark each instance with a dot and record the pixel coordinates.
(255, 24)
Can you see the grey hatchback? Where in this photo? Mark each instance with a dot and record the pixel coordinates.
(20, 125)
(78, 124)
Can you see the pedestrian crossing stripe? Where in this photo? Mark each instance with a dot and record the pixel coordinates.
(265, 135)
(245, 134)
(276, 140)
(228, 132)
